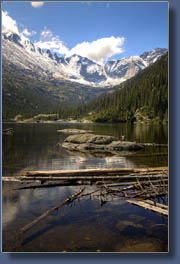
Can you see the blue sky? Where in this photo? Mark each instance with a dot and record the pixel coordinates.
(98, 30)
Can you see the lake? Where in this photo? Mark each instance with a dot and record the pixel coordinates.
(85, 225)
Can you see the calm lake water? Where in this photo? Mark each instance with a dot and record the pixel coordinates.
(84, 226)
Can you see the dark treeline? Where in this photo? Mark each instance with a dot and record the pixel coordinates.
(144, 96)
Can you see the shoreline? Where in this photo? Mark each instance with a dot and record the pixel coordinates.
(47, 121)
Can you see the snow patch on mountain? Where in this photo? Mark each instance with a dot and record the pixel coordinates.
(18, 50)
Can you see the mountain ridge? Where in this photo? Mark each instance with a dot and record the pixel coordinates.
(37, 81)
(74, 68)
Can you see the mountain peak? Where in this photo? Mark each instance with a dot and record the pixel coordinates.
(14, 37)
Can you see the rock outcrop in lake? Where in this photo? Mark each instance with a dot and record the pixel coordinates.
(99, 143)
(73, 131)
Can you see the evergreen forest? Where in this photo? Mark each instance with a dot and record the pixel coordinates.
(142, 98)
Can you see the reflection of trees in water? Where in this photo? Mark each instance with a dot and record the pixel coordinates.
(142, 133)
(29, 147)
(34, 146)
(150, 133)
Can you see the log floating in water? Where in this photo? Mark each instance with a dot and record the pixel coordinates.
(84, 178)
(154, 145)
(96, 172)
(10, 179)
(50, 185)
(115, 174)
(149, 206)
(157, 204)
(119, 174)
(68, 200)
(134, 183)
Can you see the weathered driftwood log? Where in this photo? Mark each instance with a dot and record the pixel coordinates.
(135, 183)
(115, 174)
(68, 200)
(96, 172)
(154, 145)
(149, 206)
(91, 178)
(10, 179)
(157, 204)
(113, 177)
(50, 185)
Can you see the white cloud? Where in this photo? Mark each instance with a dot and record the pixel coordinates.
(8, 24)
(37, 4)
(99, 50)
(49, 41)
(26, 32)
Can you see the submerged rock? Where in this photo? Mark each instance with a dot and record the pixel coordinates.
(96, 143)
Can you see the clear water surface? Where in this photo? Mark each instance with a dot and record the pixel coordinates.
(85, 225)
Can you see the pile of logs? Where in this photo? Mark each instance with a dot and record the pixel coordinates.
(136, 185)
(120, 175)
(144, 187)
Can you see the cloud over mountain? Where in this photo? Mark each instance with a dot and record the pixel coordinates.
(49, 41)
(99, 50)
(8, 23)
(26, 32)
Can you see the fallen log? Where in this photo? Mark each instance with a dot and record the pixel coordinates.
(95, 172)
(154, 145)
(134, 183)
(149, 195)
(157, 204)
(149, 206)
(85, 178)
(44, 186)
(118, 190)
(68, 200)
(10, 179)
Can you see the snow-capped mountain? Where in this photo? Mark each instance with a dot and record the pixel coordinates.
(19, 51)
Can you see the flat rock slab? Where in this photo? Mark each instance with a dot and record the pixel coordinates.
(73, 131)
(98, 143)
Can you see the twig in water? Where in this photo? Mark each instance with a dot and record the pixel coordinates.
(68, 200)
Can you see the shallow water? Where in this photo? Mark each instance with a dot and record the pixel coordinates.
(85, 225)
